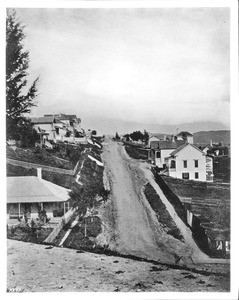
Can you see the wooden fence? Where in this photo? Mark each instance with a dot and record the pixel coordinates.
(28, 165)
(64, 220)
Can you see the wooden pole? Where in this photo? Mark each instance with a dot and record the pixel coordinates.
(85, 227)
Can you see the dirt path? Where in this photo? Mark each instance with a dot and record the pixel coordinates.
(39, 268)
(137, 230)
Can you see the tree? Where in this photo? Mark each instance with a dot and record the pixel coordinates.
(146, 137)
(184, 136)
(117, 137)
(26, 134)
(19, 96)
(137, 135)
(126, 136)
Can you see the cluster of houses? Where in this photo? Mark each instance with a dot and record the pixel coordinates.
(29, 195)
(59, 127)
(177, 156)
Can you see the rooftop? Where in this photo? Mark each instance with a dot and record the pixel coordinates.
(182, 147)
(31, 189)
(166, 144)
(43, 120)
(184, 133)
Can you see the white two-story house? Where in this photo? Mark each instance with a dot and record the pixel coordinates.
(187, 162)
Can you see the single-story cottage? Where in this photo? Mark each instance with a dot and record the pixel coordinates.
(27, 195)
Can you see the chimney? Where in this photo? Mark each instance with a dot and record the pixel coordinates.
(39, 173)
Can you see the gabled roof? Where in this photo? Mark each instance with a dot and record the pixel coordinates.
(43, 120)
(160, 136)
(185, 133)
(166, 144)
(183, 146)
(31, 189)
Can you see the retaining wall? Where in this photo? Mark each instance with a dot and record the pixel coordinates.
(198, 232)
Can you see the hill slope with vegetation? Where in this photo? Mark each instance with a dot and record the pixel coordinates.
(219, 136)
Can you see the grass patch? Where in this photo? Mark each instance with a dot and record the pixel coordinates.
(162, 214)
(38, 156)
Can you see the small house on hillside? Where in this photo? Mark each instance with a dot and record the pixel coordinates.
(57, 127)
(186, 136)
(27, 195)
(187, 162)
(46, 125)
(71, 121)
(159, 150)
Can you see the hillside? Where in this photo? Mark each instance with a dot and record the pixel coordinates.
(204, 137)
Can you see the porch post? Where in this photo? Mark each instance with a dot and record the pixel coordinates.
(64, 207)
(19, 210)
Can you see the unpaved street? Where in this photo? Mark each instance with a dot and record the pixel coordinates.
(137, 230)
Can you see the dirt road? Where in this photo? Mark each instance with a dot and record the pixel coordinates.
(136, 228)
(138, 231)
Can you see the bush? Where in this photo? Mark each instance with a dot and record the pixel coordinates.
(58, 212)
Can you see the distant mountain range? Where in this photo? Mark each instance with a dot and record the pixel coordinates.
(110, 126)
(204, 137)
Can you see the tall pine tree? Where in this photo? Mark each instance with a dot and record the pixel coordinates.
(19, 97)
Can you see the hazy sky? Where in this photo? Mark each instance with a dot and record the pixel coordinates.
(161, 65)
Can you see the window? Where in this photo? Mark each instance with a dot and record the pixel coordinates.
(196, 163)
(185, 163)
(173, 164)
(196, 175)
(185, 175)
(158, 154)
